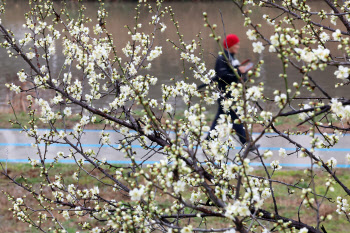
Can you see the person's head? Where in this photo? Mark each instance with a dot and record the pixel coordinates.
(231, 43)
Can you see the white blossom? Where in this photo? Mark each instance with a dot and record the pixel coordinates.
(237, 209)
(275, 165)
(65, 214)
(22, 76)
(342, 72)
(105, 137)
(321, 53)
(96, 230)
(187, 229)
(136, 193)
(67, 111)
(334, 19)
(258, 47)
(324, 36)
(342, 205)
(163, 27)
(30, 55)
(281, 99)
(75, 176)
(275, 40)
(282, 152)
(332, 162)
(303, 116)
(179, 186)
(272, 49)
(336, 35)
(230, 231)
(155, 53)
(34, 162)
(254, 93)
(251, 34)
(347, 156)
(268, 154)
(168, 108)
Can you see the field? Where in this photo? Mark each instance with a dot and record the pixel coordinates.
(283, 123)
(288, 204)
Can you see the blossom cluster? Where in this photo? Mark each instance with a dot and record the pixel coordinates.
(206, 177)
(343, 112)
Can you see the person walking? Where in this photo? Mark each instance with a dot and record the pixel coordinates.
(225, 76)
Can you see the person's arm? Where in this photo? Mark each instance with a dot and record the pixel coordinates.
(246, 68)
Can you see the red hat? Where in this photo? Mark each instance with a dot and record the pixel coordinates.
(230, 41)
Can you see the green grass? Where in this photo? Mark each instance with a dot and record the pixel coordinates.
(24, 118)
(288, 204)
(288, 123)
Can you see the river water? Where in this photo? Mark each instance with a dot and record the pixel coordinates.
(189, 15)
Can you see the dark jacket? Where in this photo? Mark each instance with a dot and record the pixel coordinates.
(224, 73)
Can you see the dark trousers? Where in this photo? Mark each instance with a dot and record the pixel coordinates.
(237, 127)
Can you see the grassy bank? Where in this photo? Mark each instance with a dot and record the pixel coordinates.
(283, 123)
(288, 204)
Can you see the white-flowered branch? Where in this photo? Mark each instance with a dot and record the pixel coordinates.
(199, 184)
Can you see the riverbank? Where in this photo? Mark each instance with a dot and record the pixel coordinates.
(283, 124)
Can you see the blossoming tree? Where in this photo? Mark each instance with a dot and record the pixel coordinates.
(197, 180)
